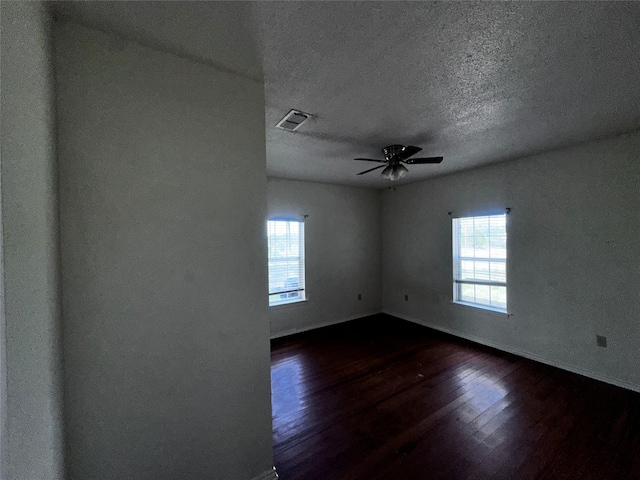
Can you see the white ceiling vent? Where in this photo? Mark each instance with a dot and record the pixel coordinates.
(292, 120)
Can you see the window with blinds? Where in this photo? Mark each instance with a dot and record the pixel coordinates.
(286, 261)
(480, 261)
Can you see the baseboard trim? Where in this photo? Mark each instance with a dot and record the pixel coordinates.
(293, 331)
(268, 475)
(521, 353)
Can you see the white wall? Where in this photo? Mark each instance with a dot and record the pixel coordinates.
(32, 436)
(573, 255)
(342, 248)
(163, 201)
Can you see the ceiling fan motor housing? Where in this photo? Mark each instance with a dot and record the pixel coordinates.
(392, 151)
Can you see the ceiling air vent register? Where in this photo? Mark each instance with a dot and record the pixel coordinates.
(292, 120)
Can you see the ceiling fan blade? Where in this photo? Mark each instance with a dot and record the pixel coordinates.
(371, 169)
(370, 160)
(407, 152)
(418, 161)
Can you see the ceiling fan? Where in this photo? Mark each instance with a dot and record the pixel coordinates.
(394, 157)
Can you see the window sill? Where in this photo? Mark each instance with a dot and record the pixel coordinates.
(288, 304)
(482, 309)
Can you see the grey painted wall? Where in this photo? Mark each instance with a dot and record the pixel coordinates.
(573, 255)
(163, 201)
(342, 248)
(32, 437)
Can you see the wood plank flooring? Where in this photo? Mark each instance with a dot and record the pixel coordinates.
(380, 398)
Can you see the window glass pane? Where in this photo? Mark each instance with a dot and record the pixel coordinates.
(481, 225)
(498, 225)
(467, 293)
(483, 294)
(481, 237)
(498, 247)
(467, 247)
(481, 270)
(466, 227)
(466, 270)
(499, 297)
(498, 272)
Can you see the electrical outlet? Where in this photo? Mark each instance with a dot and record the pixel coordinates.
(406, 297)
(601, 341)
(359, 296)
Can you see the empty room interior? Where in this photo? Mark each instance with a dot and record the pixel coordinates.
(320, 240)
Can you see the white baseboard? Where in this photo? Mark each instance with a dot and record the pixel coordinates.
(521, 353)
(293, 331)
(268, 475)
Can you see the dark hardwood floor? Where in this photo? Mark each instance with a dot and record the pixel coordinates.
(380, 398)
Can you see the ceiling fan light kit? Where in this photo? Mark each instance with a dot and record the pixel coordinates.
(395, 172)
(394, 157)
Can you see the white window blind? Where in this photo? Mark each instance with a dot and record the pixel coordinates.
(480, 261)
(286, 261)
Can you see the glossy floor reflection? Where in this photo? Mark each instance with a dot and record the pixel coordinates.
(286, 381)
(380, 398)
(290, 403)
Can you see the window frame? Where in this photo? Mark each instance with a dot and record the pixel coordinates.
(459, 281)
(294, 295)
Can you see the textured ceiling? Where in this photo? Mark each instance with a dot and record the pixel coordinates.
(477, 83)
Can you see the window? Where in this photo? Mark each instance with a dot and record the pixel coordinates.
(286, 261)
(480, 261)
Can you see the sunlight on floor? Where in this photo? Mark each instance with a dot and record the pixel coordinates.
(288, 386)
(484, 397)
